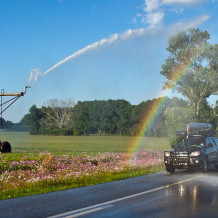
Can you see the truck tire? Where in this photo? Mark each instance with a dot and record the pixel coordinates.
(5, 147)
(216, 166)
(204, 166)
(170, 169)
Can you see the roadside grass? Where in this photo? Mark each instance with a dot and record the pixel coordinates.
(40, 164)
(68, 184)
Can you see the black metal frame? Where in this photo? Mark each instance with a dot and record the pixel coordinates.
(12, 100)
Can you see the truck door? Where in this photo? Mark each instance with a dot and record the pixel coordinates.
(211, 150)
(215, 141)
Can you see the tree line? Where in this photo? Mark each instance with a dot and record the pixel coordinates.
(12, 127)
(113, 117)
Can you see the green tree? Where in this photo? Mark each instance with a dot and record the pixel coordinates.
(191, 67)
(32, 120)
(141, 113)
(110, 117)
(80, 118)
(177, 118)
(95, 115)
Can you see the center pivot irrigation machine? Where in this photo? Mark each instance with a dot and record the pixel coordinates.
(5, 146)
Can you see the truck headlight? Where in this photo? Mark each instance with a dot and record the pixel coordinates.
(195, 153)
(166, 153)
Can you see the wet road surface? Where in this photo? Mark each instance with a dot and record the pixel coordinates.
(183, 194)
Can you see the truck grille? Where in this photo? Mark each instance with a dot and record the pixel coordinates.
(179, 154)
(180, 161)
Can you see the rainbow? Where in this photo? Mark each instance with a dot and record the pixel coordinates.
(147, 123)
(149, 117)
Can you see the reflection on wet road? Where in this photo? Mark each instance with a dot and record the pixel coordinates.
(183, 194)
(197, 197)
(194, 195)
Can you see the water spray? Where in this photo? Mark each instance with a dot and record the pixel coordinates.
(5, 147)
(35, 73)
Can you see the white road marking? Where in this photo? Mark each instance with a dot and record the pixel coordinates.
(76, 214)
(101, 206)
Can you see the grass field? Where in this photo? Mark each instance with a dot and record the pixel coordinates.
(40, 164)
(23, 142)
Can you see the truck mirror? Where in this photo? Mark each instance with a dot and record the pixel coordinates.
(172, 146)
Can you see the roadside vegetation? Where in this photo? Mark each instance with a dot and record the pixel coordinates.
(29, 174)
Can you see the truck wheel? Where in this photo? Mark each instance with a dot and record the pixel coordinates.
(5, 147)
(170, 169)
(204, 166)
(216, 166)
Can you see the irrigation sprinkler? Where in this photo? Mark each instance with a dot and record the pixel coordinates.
(5, 146)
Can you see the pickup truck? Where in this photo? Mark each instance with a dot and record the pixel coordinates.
(197, 148)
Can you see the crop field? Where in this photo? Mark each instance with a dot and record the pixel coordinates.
(23, 142)
(40, 164)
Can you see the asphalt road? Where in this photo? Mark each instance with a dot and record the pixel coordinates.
(183, 194)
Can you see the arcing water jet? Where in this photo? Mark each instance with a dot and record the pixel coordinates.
(35, 74)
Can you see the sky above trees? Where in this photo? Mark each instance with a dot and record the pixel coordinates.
(37, 34)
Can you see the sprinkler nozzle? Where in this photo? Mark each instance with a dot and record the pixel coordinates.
(24, 92)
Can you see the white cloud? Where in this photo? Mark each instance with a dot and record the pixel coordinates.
(151, 5)
(153, 11)
(198, 21)
(191, 24)
(182, 2)
(153, 14)
(139, 32)
(154, 19)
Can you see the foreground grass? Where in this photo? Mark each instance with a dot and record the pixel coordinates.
(40, 173)
(68, 184)
(23, 142)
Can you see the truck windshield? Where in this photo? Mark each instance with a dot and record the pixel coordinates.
(182, 144)
(196, 142)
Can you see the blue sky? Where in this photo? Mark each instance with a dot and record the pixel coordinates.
(37, 34)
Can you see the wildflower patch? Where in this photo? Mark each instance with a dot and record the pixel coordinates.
(48, 172)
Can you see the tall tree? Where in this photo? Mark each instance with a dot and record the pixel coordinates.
(58, 112)
(191, 67)
(80, 118)
(32, 120)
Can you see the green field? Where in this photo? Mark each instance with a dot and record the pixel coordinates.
(23, 142)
